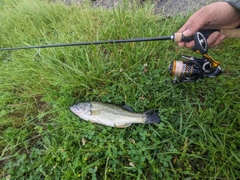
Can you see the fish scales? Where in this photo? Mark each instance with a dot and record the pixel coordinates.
(112, 115)
(114, 109)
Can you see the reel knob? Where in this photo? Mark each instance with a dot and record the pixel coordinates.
(201, 45)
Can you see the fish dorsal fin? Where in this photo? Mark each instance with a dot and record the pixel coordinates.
(95, 112)
(128, 108)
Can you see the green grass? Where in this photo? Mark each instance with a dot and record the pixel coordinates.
(199, 137)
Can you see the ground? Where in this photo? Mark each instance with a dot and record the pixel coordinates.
(169, 7)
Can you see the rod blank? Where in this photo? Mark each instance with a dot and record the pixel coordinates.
(90, 43)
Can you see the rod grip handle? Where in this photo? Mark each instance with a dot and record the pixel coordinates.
(229, 33)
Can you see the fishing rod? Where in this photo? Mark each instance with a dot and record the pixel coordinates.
(176, 37)
(188, 70)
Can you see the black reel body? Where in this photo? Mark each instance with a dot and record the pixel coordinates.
(192, 69)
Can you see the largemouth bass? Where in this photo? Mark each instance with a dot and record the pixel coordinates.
(113, 115)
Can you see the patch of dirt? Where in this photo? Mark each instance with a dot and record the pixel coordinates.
(168, 7)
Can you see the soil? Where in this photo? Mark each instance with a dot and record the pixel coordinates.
(168, 7)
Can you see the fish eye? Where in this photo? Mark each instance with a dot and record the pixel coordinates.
(78, 108)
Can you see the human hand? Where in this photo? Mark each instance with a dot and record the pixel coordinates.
(216, 15)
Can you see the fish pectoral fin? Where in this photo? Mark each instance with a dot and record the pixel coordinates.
(123, 126)
(95, 112)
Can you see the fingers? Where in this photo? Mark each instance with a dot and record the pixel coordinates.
(186, 44)
(213, 40)
(194, 23)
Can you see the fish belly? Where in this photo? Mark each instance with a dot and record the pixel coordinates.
(116, 120)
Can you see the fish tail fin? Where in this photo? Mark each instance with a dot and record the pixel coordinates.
(152, 117)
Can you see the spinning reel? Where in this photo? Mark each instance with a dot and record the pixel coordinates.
(194, 68)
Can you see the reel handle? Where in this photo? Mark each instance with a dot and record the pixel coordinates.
(201, 44)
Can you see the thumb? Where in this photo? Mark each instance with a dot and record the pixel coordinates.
(195, 22)
(188, 32)
(191, 29)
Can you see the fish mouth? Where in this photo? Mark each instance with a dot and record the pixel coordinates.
(77, 110)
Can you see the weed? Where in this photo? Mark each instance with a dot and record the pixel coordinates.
(41, 139)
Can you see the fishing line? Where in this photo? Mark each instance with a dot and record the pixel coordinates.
(37, 57)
